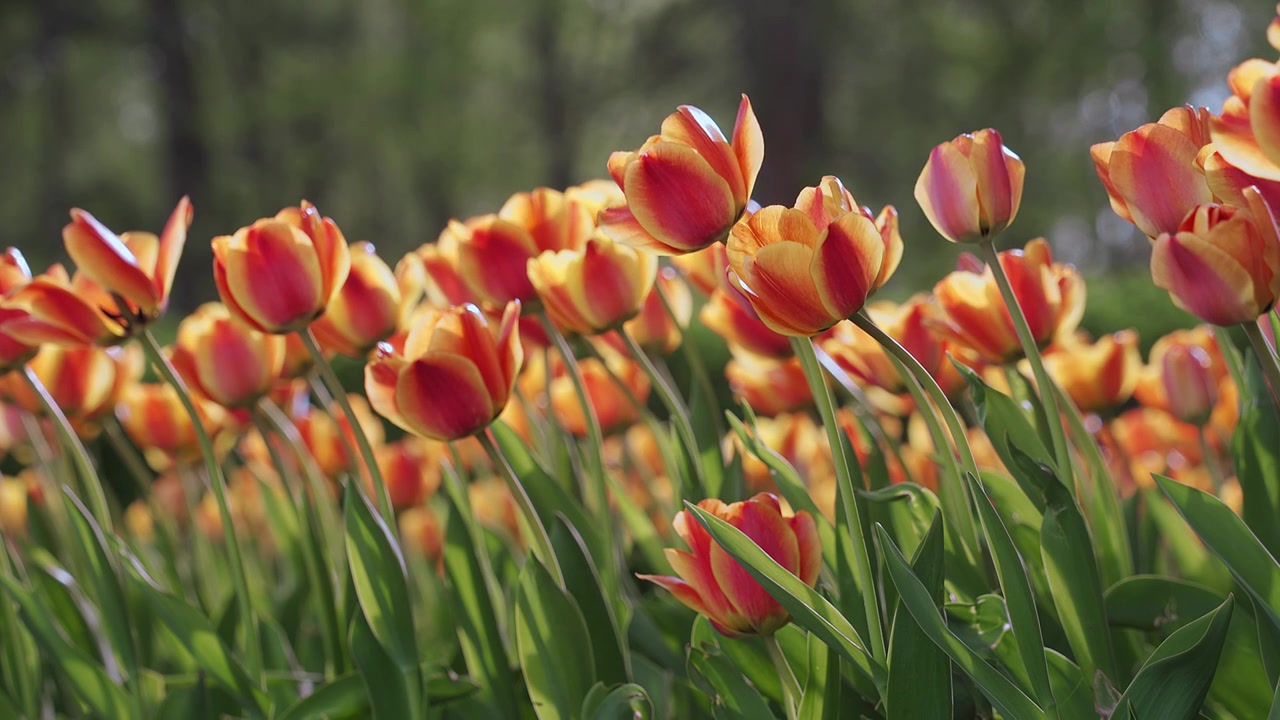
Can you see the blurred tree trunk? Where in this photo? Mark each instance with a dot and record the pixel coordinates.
(185, 158)
(55, 26)
(554, 81)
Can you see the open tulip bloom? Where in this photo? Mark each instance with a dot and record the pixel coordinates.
(643, 448)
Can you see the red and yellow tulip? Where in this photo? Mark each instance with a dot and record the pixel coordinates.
(594, 289)
(365, 311)
(971, 187)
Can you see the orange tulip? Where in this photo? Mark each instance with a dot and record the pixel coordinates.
(654, 328)
(411, 469)
(1096, 376)
(14, 274)
(914, 325)
(728, 314)
(707, 268)
(84, 381)
(687, 186)
(1187, 375)
(594, 289)
(435, 267)
(1247, 133)
(1154, 441)
(794, 436)
(13, 507)
(365, 311)
(454, 376)
(769, 386)
(421, 531)
(713, 584)
(613, 400)
(807, 268)
(54, 308)
(494, 506)
(595, 195)
(974, 314)
(279, 274)
(226, 360)
(155, 420)
(971, 187)
(1153, 175)
(1223, 264)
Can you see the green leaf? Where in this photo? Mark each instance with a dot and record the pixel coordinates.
(582, 582)
(198, 637)
(103, 578)
(1227, 536)
(342, 697)
(807, 607)
(84, 675)
(559, 668)
(1003, 694)
(746, 654)
(821, 698)
(1018, 596)
(919, 671)
(392, 692)
(1173, 682)
(909, 509)
(378, 572)
(1255, 449)
(63, 598)
(1189, 555)
(731, 694)
(623, 702)
(1071, 690)
(1008, 427)
(447, 687)
(704, 416)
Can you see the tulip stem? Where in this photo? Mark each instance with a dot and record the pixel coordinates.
(676, 408)
(539, 540)
(239, 580)
(1210, 461)
(598, 496)
(791, 692)
(362, 440)
(79, 455)
(1044, 383)
(845, 498)
(701, 379)
(1266, 358)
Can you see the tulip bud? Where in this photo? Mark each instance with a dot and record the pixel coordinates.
(84, 381)
(769, 386)
(1189, 384)
(226, 360)
(687, 186)
(595, 289)
(712, 583)
(971, 187)
(365, 311)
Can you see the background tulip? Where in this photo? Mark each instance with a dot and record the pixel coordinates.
(594, 289)
(1096, 376)
(971, 187)
(226, 360)
(366, 309)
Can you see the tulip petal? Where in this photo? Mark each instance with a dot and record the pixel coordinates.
(809, 546)
(102, 256)
(274, 275)
(380, 378)
(695, 569)
(1154, 169)
(443, 396)
(676, 196)
(465, 332)
(619, 225)
(1203, 280)
(947, 191)
(493, 260)
(172, 240)
(693, 127)
(678, 588)
(1233, 136)
(779, 283)
(58, 315)
(998, 172)
(764, 525)
(846, 264)
(748, 144)
(1264, 116)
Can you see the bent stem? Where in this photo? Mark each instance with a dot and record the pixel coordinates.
(844, 492)
(239, 580)
(1044, 384)
(676, 408)
(791, 693)
(594, 486)
(366, 449)
(539, 540)
(1266, 358)
(71, 441)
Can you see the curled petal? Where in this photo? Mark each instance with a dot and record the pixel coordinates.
(678, 199)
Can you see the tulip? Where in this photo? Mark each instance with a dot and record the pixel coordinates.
(687, 186)
(595, 195)
(84, 381)
(1097, 376)
(365, 311)
(1223, 264)
(494, 506)
(712, 583)
(14, 274)
(971, 187)
(1247, 133)
(707, 268)
(728, 314)
(1152, 174)
(594, 289)
(769, 386)
(807, 268)
(654, 328)
(436, 267)
(62, 310)
(411, 469)
(421, 531)
(974, 314)
(1153, 390)
(1189, 384)
(13, 507)
(454, 376)
(1154, 441)
(615, 387)
(279, 274)
(155, 420)
(797, 438)
(913, 325)
(225, 360)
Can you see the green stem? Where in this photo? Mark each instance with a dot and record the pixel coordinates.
(1210, 461)
(71, 441)
(1044, 383)
(539, 540)
(844, 492)
(676, 409)
(1266, 358)
(239, 581)
(702, 385)
(128, 454)
(862, 408)
(366, 449)
(791, 692)
(354, 460)
(594, 485)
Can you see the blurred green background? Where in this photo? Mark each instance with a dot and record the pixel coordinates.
(395, 115)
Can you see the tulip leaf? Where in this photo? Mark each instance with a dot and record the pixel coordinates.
(559, 669)
(1227, 536)
(1255, 449)
(747, 655)
(86, 678)
(1007, 427)
(392, 691)
(1023, 520)
(1174, 681)
(1003, 694)
(446, 687)
(623, 702)
(1191, 557)
(342, 697)
(1018, 596)
(64, 601)
(379, 574)
(731, 695)
(807, 607)
(1071, 690)
(582, 581)
(919, 671)
(821, 697)
(909, 509)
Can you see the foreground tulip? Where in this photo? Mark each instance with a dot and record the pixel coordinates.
(687, 186)
(1247, 133)
(1222, 265)
(594, 289)
(279, 274)
(1152, 174)
(454, 377)
(971, 187)
(226, 360)
(807, 268)
(713, 584)
(365, 311)
(1097, 376)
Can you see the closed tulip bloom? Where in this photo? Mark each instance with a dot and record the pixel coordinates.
(707, 268)
(137, 267)
(155, 420)
(971, 187)
(728, 314)
(1097, 376)
(912, 324)
(688, 185)
(616, 389)
(454, 376)
(421, 531)
(713, 584)
(279, 274)
(1151, 390)
(82, 380)
(769, 386)
(224, 359)
(1222, 265)
(1189, 383)
(365, 311)
(411, 469)
(974, 314)
(1153, 175)
(1247, 133)
(435, 266)
(594, 289)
